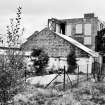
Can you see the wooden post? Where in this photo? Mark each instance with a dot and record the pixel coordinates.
(78, 75)
(25, 74)
(64, 79)
(87, 71)
(94, 69)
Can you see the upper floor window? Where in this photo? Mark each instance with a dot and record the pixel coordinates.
(87, 29)
(58, 28)
(68, 29)
(87, 41)
(78, 28)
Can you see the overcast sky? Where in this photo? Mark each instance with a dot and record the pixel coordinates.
(36, 12)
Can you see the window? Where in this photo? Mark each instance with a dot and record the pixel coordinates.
(62, 25)
(87, 40)
(58, 28)
(51, 25)
(68, 29)
(87, 29)
(78, 28)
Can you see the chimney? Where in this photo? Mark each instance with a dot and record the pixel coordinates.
(89, 15)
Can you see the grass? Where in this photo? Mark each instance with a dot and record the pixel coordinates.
(86, 93)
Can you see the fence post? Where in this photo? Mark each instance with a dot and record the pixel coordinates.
(64, 79)
(78, 75)
(87, 71)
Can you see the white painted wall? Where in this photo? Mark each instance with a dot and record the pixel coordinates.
(56, 63)
(84, 64)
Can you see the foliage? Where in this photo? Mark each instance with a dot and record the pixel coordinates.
(34, 96)
(98, 71)
(100, 41)
(71, 61)
(15, 57)
(5, 83)
(87, 93)
(11, 63)
(40, 61)
(14, 31)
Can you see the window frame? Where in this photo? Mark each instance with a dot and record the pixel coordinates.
(78, 32)
(90, 41)
(87, 32)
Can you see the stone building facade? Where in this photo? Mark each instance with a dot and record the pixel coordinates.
(51, 43)
(55, 46)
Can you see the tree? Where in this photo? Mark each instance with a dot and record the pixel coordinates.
(100, 41)
(40, 61)
(98, 69)
(71, 61)
(15, 57)
(12, 63)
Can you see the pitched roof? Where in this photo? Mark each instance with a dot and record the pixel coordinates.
(35, 33)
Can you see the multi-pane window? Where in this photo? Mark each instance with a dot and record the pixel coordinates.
(79, 29)
(87, 33)
(87, 29)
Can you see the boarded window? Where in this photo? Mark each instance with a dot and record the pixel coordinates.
(78, 28)
(87, 29)
(68, 29)
(87, 40)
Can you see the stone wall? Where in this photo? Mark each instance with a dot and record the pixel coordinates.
(52, 44)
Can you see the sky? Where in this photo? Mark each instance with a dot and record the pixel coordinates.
(35, 13)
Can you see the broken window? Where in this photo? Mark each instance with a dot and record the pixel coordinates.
(62, 25)
(52, 24)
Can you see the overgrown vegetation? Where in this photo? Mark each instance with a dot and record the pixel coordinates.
(40, 61)
(15, 57)
(71, 61)
(98, 71)
(86, 93)
(12, 62)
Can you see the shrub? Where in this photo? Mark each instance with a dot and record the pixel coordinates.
(11, 63)
(40, 61)
(6, 81)
(71, 61)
